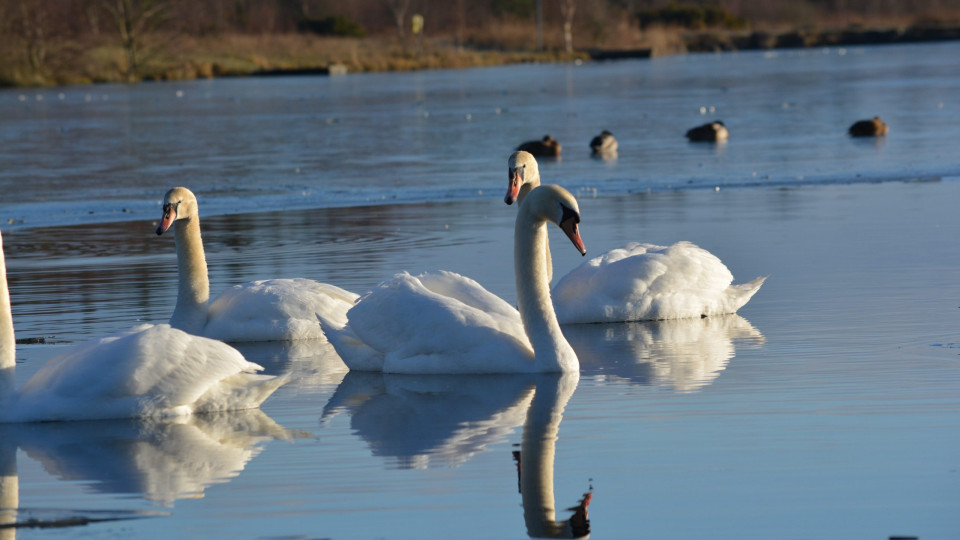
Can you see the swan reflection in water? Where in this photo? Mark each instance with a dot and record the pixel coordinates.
(536, 459)
(421, 421)
(159, 461)
(311, 362)
(685, 354)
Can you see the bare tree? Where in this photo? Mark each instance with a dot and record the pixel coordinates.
(31, 26)
(399, 9)
(135, 20)
(461, 24)
(539, 11)
(567, 9)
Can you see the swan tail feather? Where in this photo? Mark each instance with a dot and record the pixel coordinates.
(357, 355)
(738, 295)
(240, 391)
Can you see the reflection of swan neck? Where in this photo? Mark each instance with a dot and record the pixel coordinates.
(551, 350)
(9, 488)
(194, 286)
(537, 451)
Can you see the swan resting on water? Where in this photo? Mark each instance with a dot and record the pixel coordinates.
(268, 310)
(446, 323)
(639, 281)
(146, 371)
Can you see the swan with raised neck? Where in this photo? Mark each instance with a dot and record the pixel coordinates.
(547, 203)
(446, 323)
(180, 210)
(146, 371)
(8, 342)
(640, 281)
(523, 174)
(265, 310)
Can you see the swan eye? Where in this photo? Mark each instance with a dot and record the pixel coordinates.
(569, 213)
(172, 207)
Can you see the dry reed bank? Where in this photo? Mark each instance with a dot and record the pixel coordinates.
(53, 42)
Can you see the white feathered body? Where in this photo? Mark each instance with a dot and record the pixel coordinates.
(276, 310)
(270, 310)
(445, 323)
(147, 371)
(650, 282)
(438, 322)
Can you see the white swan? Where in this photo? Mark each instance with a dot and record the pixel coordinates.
(142, 372)
(446, 323)
(270, 310)
(639, 281)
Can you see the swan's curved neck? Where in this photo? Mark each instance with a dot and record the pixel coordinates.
(190, 315)
(526, 188)
(537, 452)
(8, 342)
(551, 350)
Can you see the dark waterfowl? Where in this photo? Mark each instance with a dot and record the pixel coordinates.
(604, 143)
(709, 132)
(869, 128)
(546, 147)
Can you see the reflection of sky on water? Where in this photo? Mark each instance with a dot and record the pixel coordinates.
(161, 462)
(256, 144)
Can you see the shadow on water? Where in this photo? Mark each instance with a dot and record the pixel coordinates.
(158, 461)
(684, 354)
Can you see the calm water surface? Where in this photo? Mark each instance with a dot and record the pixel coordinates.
(829, 408)
(104, 153)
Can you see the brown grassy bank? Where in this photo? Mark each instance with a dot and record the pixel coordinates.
(178, 57)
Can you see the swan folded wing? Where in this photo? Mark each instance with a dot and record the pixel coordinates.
(473, 294)
(145, 371)
(419, 330)
(644, 282)
(276, 310)
(699, 284)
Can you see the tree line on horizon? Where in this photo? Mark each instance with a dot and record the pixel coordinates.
(74, 18)
(38, 34)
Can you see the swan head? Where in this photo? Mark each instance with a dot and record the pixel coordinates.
(553, 203)
(523, 174)
(178, 203)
